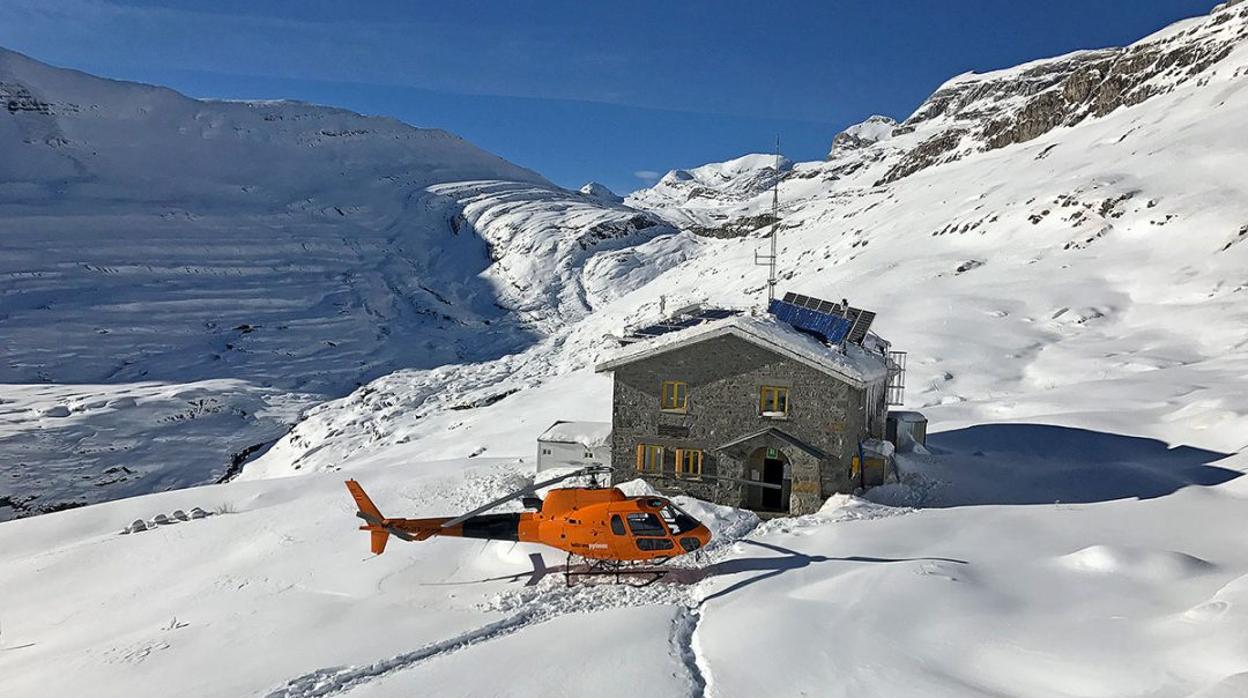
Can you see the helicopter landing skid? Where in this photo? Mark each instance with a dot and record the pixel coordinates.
(630, 573)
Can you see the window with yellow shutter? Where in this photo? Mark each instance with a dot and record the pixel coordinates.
(773, 401)
(649, 458)
(688, 463)
(675, 396)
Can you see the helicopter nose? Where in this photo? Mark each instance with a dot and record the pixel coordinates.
(697, 538)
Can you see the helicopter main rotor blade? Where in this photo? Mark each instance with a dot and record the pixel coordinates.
(396, 532)
(530, 489)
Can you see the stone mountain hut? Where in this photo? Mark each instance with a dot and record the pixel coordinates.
(707, 402)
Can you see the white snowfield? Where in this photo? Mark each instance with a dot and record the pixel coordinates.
(249, 260)
(275, 593)
(1074, 308)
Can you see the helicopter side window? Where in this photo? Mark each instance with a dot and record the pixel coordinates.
(677, 520)
(654, 544)
(645, 524)
(617, 525)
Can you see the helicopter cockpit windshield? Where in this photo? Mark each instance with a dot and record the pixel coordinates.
(677, 519)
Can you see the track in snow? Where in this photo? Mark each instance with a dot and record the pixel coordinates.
(684, 646)
(335, 680)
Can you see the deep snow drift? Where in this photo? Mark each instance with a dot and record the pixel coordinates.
(1073, 300)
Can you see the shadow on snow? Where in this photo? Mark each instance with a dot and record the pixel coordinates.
(1043, 464)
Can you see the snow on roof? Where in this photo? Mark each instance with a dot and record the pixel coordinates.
(856, 365)
(907, 416)
(588, 434)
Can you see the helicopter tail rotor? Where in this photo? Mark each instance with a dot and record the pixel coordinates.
(377, 526)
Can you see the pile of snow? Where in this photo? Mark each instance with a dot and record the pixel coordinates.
(1155, 565)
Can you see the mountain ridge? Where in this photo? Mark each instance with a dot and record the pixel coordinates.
(253, 258)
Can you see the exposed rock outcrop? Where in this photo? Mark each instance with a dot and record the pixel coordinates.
(875, 129)
(1019, 104)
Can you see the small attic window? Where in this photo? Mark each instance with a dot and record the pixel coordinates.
(773, 402)
(675, 396)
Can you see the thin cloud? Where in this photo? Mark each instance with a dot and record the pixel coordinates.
(647, 175)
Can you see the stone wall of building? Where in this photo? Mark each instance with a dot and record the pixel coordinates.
(724, 376)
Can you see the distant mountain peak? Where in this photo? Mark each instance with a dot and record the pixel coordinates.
(601, 192)
(874, 129)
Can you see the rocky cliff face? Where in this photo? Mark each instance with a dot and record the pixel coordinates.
(967, 115)
(975, 113)
(875, 129)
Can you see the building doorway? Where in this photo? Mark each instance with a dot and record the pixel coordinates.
(770, 466)
(773, 474)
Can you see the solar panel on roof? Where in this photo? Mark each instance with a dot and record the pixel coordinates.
(692, 316)
(828, 327)
(861, 325)
(717, 313)
(832, 322)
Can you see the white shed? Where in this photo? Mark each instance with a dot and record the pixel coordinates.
(572, 444)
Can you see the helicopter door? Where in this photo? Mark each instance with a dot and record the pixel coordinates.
(649, 532)
(644, 523)
(617, 525)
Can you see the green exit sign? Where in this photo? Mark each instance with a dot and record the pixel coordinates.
(771, 453)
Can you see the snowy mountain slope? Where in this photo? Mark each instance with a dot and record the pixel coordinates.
(695, 198)
(876, 128)
(597, 190)
(541, 244)
(1098, 265)
(259, 256)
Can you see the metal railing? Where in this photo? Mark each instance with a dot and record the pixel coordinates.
(896, 389)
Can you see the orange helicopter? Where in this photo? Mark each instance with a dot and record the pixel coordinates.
(602, 525)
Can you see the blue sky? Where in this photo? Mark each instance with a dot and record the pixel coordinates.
(615, 92)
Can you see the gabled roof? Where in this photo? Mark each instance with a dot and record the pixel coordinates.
(588, 434)
(856, 366)
(778, 434)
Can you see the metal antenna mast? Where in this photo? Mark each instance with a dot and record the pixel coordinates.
(770, 259)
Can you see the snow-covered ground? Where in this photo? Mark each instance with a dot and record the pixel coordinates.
(1100, 594)
(1073, 302)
